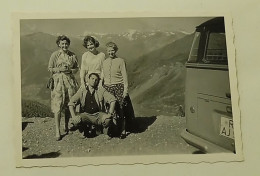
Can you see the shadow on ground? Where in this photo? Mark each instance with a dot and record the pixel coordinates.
(45, 155)
(140, 124)
(25, 148)
(24, 125)
(198, 152)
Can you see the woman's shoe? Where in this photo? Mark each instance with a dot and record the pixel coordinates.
(58, 138)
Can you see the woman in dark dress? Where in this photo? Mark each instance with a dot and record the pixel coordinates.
(115, 81)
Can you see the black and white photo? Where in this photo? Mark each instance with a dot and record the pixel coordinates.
(126, 87)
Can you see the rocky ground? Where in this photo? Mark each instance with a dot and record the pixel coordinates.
(152, 135)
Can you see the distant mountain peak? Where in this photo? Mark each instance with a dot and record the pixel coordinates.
(133, 34)
(130, 34)
(186, 33)
(37, 34)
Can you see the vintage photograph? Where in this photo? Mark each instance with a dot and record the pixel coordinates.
(135, 86)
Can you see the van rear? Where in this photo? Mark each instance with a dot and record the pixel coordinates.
(208, 107)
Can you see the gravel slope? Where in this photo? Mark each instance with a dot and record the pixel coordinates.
(152, 136)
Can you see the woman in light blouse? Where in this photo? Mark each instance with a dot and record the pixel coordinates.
(92, 59)
(63, 64)
(115, 81)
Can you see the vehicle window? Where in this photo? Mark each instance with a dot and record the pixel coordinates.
(216, 52)
(194, 48)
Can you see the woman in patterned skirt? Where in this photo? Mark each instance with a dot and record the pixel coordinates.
(63, 64)
(91, 60)
(115, 81)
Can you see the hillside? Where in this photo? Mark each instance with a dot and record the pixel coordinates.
(34, 109)
(157, 80)
(36, 50)
(134, 44)
(152, 59)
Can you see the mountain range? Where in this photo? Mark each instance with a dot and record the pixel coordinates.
(155, 65)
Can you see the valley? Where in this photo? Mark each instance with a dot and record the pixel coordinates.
(155, 66)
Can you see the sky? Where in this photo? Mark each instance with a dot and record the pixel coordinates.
(109, 25)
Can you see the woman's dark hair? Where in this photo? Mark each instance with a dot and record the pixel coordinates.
(90, 39)
(62, 37)
(95, 75)
(112, 45)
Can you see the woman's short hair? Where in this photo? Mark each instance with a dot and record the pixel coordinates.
(90, 39)
(62, 37)
(112, 45)
(95, 75)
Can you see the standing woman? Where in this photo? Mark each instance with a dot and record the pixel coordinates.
(115, 80)
(91, 60)
(63, 65)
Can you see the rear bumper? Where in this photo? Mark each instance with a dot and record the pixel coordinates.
(202, 144)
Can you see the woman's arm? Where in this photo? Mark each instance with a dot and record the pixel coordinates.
(75, 67)
(51, 66)
(83, 69)
(125, 79)
(102, 75)
(102, 67)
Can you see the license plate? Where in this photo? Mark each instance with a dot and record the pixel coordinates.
(226, 127)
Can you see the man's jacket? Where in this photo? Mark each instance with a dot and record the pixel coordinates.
(102, 98)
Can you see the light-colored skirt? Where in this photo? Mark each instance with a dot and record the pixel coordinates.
(65, 86)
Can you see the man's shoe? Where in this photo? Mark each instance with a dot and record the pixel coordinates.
(73, 128)
(122, 136)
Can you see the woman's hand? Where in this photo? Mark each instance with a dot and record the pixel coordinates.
(63, 68)
(68, 71)
(125, 94)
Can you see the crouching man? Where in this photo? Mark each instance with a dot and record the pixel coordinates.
(92, 101)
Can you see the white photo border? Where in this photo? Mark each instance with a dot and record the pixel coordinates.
(111, 160)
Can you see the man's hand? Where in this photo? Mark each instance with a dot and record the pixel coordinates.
(106, 116)
(106, 119)
(76, 120)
